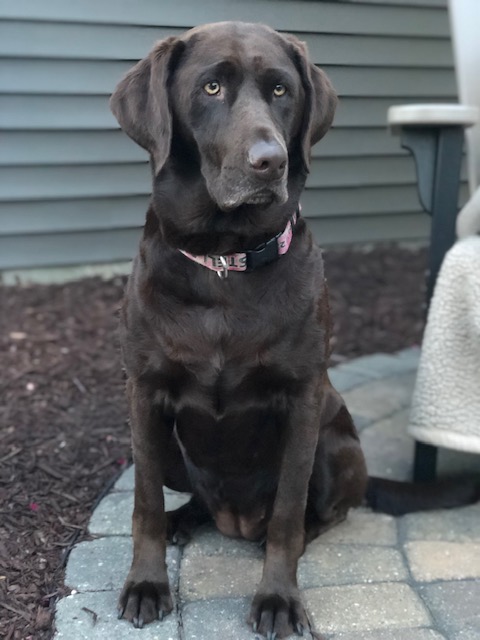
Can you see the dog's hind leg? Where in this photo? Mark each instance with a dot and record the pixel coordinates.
(339, 475)
(182, 522)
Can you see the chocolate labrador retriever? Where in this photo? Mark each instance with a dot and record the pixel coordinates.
(225, 325)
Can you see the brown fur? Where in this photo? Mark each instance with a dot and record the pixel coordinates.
(227, 379)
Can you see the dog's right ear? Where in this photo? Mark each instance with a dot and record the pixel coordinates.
(140, 101)
(320, 98)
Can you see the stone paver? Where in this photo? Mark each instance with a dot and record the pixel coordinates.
(373, 577)
(456, 607)
(410, 358)
(218, 620)
(455, 525)
(431, 561)
(388, 448)
(113, 516)
(344, 378)
(219, 576)
(379, 366)
(361, 527)
(126, 482)
(92, 616)
(366, 607)
(208, 541)
(381, 398)
(101, 565)
(393, 634)
(350, 564)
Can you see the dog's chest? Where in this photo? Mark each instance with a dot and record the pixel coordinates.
(226, 351)
(226, 360)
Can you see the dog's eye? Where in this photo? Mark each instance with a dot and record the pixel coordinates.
(279, 90)
(212, 88)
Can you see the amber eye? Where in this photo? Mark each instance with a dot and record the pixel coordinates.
(280, 90)
(212, 88)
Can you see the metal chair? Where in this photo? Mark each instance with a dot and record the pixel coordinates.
(434, 133)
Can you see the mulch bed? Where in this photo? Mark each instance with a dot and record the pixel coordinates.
(63, 431)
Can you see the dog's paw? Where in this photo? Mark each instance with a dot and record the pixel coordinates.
(277, 616)
(143, 602)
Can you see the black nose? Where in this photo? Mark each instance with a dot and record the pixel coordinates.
(267, 159)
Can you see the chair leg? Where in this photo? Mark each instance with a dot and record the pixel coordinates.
(425, 462)
(438, 158)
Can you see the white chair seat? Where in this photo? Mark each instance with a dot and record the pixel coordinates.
(446, 402)
(432, 115)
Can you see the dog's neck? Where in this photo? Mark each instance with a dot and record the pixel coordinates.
(264, 254)
(188, 219)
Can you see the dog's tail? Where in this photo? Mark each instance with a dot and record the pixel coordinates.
(398, 498)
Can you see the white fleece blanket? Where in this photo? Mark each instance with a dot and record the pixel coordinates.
(446, 401)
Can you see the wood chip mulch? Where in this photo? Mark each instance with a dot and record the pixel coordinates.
(63, 431)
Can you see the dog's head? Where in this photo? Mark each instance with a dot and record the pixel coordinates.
(245, 101)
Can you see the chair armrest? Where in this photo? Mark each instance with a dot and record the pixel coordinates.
(431, 115)
(434, 134)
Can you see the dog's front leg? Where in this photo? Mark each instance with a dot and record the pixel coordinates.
(277, 609)
(146, 593)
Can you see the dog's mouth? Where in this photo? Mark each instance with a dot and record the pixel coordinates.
(262, 198)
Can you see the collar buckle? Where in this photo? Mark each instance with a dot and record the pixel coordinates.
(223, 274)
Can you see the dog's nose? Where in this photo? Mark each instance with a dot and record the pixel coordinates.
(267, 159)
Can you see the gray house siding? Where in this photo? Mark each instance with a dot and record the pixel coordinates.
(74, 189)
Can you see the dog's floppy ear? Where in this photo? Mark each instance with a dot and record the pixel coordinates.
(140, 101)
(320, 99)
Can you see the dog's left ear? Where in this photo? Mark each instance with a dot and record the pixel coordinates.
(320, 98)
(140, 101)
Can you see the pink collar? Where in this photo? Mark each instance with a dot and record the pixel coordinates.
(249, 260)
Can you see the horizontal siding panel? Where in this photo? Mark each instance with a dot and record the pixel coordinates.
(317, 203)
(60, 76)
(60, 182)
(20, 252)
(372, 112)
(108, 42)
(368, 82)
(72, 215)
(440, 4)
(115, 245)
(398, 227)
(358, 142)
(360, 201)
(383, 200)
(381, 51)
(30, 112)
(89, 77)
(103, 181)
(360, 172)
(47, 183)
(21, 148)
(79, 41)
(55, 112)
(365, 172)
(128, 211)
(333, 17)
